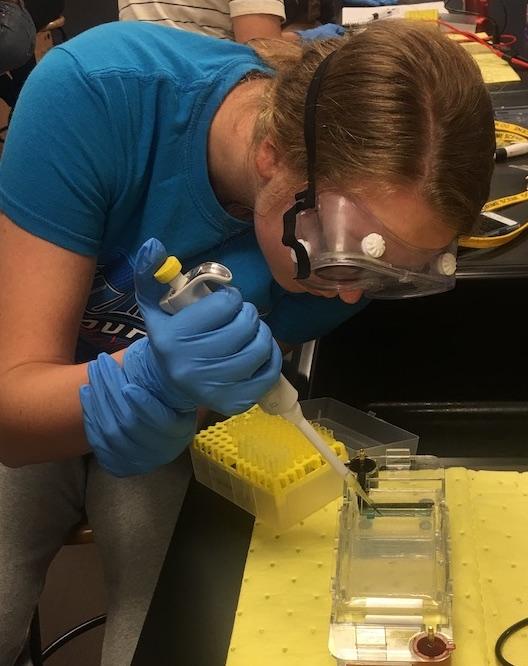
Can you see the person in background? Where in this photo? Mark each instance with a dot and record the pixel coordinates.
(17, 35)
(240, 20)
(19, 23)
(165, 141)
(17, 46)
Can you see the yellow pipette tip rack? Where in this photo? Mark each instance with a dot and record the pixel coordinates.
(266, 466)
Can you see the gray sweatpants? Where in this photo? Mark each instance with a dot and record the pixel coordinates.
(133, 520)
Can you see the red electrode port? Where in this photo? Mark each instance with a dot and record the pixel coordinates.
(431, 647)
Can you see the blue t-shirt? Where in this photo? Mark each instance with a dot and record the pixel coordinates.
(108, 147)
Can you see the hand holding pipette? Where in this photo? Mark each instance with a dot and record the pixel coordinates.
(282, 399)
(217, 353)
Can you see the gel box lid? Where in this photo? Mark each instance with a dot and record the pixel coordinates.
(358, 429)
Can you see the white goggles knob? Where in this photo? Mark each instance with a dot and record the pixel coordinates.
(306, 246)
(446, 264)
(373, 245)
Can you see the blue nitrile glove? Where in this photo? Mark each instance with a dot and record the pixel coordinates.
(325, 31)
(215, 353)
(130, 431)
(368, 3)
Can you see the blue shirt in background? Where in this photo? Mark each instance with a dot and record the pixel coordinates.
(108, 147)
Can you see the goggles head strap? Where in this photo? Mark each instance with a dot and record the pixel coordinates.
(306, 199)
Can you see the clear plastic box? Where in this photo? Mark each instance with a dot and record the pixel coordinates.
(310, 486)
(391, 600)
(358, 429)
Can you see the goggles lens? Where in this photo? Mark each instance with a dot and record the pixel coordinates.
(347, 248)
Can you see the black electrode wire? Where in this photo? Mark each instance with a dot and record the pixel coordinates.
(505, 12)
(504, 637)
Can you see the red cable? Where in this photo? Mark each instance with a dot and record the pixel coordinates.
(471, 36)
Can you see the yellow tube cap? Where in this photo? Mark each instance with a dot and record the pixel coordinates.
(170, 269)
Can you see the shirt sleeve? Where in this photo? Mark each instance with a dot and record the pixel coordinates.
(57, 168)
(243, 7)
(297, 318)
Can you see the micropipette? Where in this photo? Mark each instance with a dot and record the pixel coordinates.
(282, 399)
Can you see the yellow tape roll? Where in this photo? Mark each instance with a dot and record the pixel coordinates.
(505, 133)
(506, 138)
(503, 202)
(501, 126)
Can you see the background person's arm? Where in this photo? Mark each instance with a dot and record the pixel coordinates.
(252, 26)
(260, 26)
(259, 19)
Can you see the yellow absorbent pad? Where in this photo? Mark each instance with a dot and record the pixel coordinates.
(284, 606)
(492, 68)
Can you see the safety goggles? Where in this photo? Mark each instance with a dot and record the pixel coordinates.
(338, 244)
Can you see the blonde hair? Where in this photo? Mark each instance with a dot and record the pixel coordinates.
(400, 105)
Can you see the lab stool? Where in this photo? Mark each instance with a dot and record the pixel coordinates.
(81, 534)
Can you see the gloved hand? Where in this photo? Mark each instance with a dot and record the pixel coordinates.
(368, 3)
(130, 431)
(215, 353)
(325, 31)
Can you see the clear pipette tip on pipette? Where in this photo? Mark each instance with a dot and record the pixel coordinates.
(282, 400)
